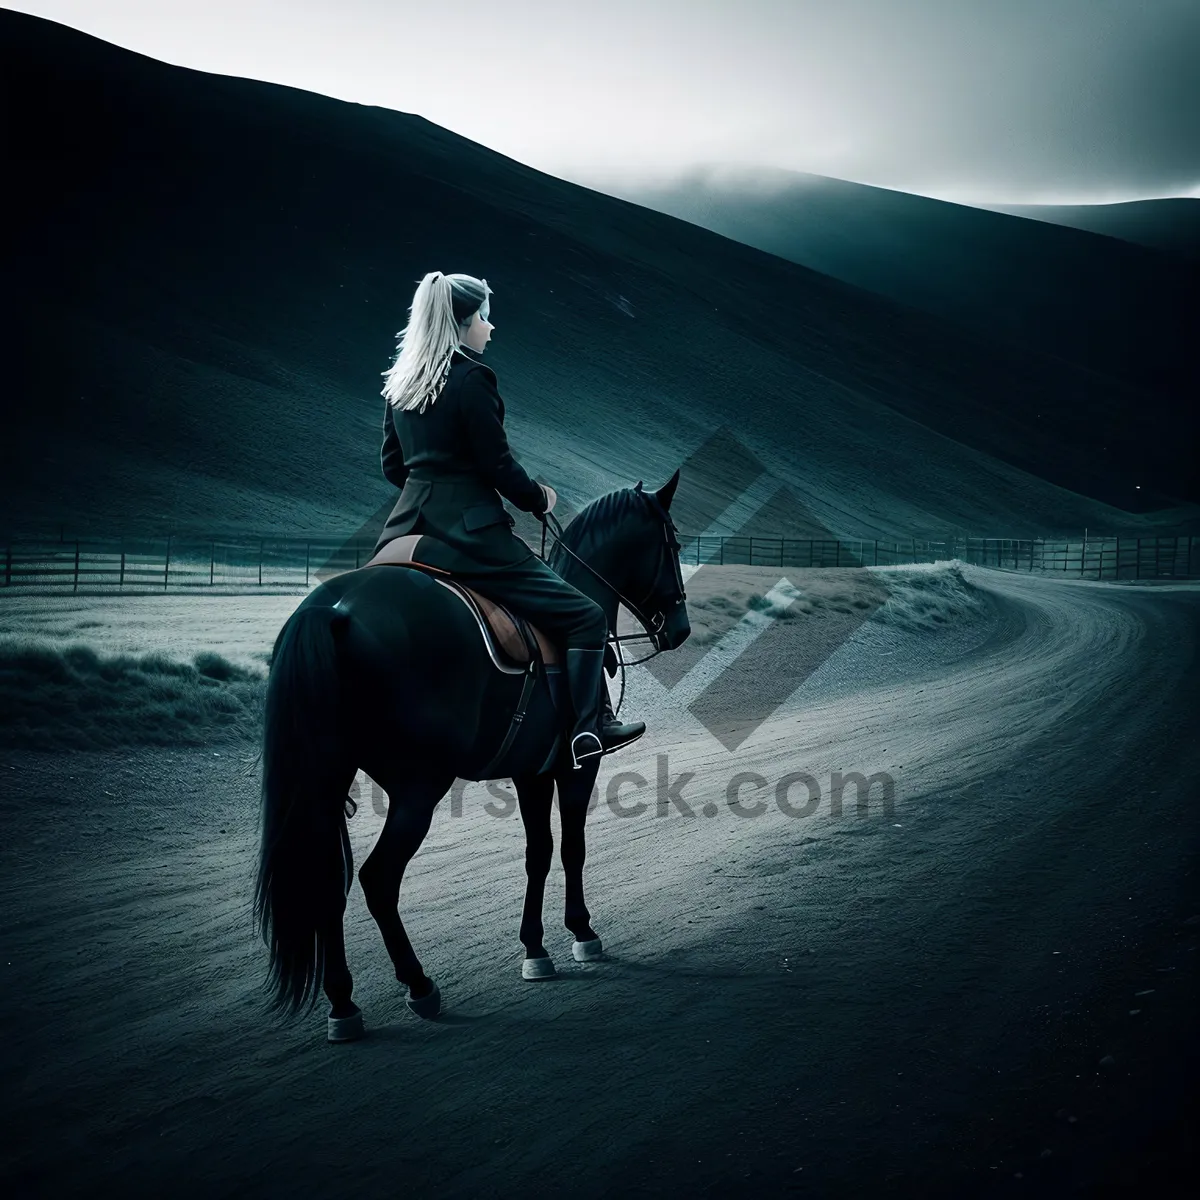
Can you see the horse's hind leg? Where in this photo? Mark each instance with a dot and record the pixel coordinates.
(412, 797)
(535, 795)
(345, 1017)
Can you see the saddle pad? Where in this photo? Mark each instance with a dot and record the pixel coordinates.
(400, 552)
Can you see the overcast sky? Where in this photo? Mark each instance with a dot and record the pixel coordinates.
(977, 101)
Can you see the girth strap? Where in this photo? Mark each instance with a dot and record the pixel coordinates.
(531, 673)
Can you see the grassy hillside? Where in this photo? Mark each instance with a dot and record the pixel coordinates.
(211, 272)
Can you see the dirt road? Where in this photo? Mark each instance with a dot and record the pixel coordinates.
(989, 990)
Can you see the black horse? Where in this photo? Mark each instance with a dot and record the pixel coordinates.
(386, 669)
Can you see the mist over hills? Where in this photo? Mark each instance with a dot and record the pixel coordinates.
(1104, 304)
(208, 274)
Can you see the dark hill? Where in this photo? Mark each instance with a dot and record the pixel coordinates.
(208, 273)
(1105, 305)
(1170, 225)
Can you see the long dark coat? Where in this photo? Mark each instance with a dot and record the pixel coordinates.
(453, 463)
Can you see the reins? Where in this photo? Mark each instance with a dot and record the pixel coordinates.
(636, 609)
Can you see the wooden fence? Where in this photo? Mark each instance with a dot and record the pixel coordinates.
(1175, 556)
(249, 563)
(148, 564)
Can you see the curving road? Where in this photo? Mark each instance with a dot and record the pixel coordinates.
(989, 990)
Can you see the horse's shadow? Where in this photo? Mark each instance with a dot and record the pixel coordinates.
(401, 1029)
(665, 970)
(402, 1025)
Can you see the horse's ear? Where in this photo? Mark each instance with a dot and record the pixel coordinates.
(667, 491)
(638, 487)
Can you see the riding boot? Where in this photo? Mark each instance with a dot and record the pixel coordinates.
(595, 731)
(612, 731)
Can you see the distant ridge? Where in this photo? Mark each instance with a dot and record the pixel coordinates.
(1107, 305)
(1170, 225)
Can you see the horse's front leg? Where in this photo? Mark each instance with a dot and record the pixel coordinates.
(535, 796)
(574, 795)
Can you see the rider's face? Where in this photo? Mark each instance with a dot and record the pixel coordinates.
(479, 331)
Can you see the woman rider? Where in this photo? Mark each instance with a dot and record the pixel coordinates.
(444, 445)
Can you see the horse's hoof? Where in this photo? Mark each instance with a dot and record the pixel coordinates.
(538, 968)
(427, 1006)
(346, 1029)
(587, 951)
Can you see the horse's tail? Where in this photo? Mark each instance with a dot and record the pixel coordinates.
(303, 874)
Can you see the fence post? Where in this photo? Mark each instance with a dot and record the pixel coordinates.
(722, 550)
(121, 582)
(212, 562)
(76, 588)
(357, 552)
(167, 564)
(260, 558)
(307, 549)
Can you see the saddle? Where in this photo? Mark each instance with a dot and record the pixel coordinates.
(507, 635)
(514, 643)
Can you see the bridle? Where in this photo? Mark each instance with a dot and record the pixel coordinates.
(655, 621)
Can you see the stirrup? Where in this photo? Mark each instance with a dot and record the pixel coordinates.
(585, 752)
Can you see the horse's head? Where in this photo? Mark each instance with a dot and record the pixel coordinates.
(655, 573)
(628, 540)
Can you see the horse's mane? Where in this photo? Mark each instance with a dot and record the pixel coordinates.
(593, 524)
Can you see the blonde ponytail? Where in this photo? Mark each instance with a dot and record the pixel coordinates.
(441, 305)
